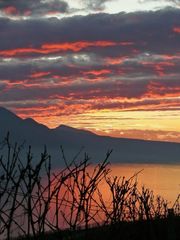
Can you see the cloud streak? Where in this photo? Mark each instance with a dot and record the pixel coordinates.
(51, 48)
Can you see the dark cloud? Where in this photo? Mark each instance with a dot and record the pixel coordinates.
(32, 7)
(150, 32)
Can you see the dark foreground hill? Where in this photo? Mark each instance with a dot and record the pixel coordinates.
(72, 140)
(159, 229)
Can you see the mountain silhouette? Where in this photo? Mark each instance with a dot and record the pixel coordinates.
(72, 139)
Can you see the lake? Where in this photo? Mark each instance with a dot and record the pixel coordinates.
(163, 179)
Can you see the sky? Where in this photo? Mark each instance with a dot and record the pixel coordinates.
(109, 66)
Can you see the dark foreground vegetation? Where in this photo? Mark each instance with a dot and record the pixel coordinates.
(158, 229)
(37, 202)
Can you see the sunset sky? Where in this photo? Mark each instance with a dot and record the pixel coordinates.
(109, 66)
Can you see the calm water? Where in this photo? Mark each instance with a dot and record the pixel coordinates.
(164, 180)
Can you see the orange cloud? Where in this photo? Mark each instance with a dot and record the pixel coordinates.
(77, 46)
(160, 67)
(61, 47)
(170, 57)
(98, 72)
(155, 89)
(10, 10)
(39, 74)
(115, 61)
(176, 29)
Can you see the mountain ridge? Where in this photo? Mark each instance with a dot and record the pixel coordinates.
(72, 139)
(63, 127)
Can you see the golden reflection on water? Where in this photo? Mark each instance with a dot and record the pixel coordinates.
(163, 179)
